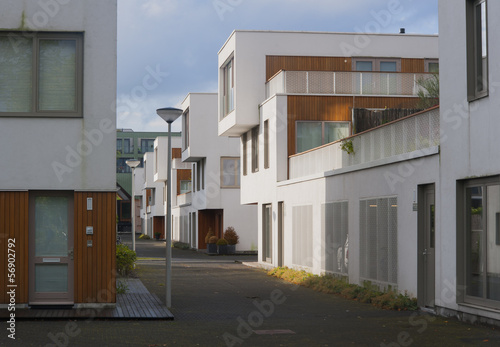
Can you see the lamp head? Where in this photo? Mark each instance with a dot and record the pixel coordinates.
(169, 114)
(133, 163)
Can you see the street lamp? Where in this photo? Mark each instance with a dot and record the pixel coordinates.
(169, 115)
(133, 163)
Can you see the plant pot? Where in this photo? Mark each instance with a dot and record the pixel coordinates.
(222, 249)
(211, 248)
(231, 249)
(157, 236)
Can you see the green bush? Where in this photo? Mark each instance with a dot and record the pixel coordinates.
(125, 259)
(144, 237)
(222, 242)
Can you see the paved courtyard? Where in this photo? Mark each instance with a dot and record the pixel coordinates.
(217, 301)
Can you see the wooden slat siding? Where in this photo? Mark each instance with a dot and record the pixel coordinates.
(148, 195)
(94, 266)
(295, 63)
(182, 175)
(176, 153)
(159, 226)
(334, 108)
(413, 65)
(14, 224)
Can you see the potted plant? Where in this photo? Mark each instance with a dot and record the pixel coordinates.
(232, 239)
(222, 246)
(157, 235)
(212, 245)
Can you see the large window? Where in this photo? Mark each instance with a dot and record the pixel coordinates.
(230, 172)
(41, 74)
(477, 49)
(481, 239)
(314, 134)
(228, 92)
(128, 146)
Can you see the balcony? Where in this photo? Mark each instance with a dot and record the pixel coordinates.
(184, 199)
(346, 83)
(410, 137)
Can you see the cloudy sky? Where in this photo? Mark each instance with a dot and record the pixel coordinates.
(168, 48)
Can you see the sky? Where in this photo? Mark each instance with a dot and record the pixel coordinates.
(168, 48)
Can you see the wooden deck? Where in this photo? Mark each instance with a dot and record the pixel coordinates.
(137, 303)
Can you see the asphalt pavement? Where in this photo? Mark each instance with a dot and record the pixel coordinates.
(218, 301)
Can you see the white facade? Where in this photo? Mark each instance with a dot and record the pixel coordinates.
(250, 48)
(469, 157)
(66, 153)
(214, 199)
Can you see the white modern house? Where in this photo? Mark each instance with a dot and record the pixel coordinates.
(57, 86)
(206, 180)
(152, 192)
(290, 98)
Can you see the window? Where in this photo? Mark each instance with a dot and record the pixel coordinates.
(376, 64)
(185, 130)
(200, 175)
(41, 74)
(314, 134)
(244, 139)
(121, 165)
(230, 173)
(477, 49)
(127, 148)
(228, 92)
(119, 145)
(267, 233)
(481, 241)
(432, 65)
(255, 149)
(266, 144)
(147, 145)
(185, 187)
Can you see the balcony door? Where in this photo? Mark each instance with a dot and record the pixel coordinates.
(51, 248)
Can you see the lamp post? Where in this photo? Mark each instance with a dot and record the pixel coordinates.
(133, 163)
(169, 115)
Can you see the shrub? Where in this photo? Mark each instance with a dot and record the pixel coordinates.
(144, 237)
(125, 259)
(222, 242)
(209, 235)
(212, 239)
(231, 236)
(121, 287)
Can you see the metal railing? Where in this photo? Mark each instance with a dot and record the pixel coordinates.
(346, 83)
(410, 134)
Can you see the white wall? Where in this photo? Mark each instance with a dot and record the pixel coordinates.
(33, 147)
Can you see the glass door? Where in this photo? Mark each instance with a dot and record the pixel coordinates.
(51, 248)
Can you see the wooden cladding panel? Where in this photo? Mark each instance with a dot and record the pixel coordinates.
(176, 153)
(14, 224)
(159, 226)
(182, 175)
(290, 63)
(95, 280)
(413, 65)
(333, 108)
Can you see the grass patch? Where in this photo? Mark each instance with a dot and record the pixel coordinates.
(121, 287)
(367, 293)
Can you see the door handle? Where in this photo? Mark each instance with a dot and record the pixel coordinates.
(71, 253)
(424, 252)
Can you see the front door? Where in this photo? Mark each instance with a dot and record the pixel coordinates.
(427, 249)
(51, 248)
